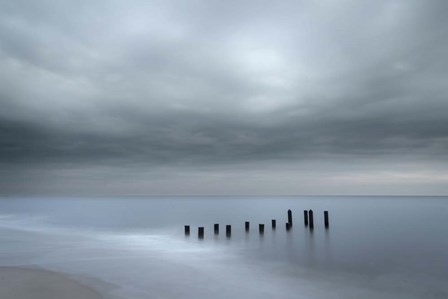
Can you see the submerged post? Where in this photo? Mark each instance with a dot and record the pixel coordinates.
(261, 228)
(228, 231)
(247, 226)
(201, 232)
(187, 230)
(216, 227)
(326, 222)
(274, 224)
(290, 217)
(288, 226)
(305, 217)
(311, 219)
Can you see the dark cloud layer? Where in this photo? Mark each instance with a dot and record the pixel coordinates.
(250, 97)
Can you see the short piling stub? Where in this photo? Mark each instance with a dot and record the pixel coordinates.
(247, 226)
(290, 217)
(261, 228)
(305, 217)
(311, 219)
(216, 228)
(187, 230)
(228, 230)
(201, 232)
(274, 224)
(326, 221)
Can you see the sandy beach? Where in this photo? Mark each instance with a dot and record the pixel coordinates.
(21, 283)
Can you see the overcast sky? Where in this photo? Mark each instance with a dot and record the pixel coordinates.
(223, 97)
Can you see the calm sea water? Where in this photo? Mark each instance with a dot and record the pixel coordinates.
(376, 247)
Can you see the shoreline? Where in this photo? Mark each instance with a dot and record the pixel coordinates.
(29, 283)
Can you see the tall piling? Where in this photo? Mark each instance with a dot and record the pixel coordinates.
(228, 231)
(290, 217)
(305, 217)
(274, 224)
(187, 230)
(216, 228)
(326, 222)
(311, 219)
(201, 232)
(261, 228)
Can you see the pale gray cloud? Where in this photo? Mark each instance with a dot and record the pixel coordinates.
(160, 89)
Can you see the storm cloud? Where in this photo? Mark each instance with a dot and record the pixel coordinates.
(223, 97)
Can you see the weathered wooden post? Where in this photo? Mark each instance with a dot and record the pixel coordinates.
(305, 217)
(216, 227)
(288, 226)
(290, 217)
(274, 224)
(187, 230)
(326, 222)
(311, 219)
(201, 232)
(247, 226)
(261, 228)
(228, 231)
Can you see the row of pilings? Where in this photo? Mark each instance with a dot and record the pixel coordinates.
(308, 219)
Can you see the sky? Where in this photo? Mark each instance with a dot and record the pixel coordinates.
(211, 97)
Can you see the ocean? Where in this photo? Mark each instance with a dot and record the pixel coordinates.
(135, 247)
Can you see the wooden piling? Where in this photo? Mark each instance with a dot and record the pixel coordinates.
(290, 217)
(187, 230)
(247, 226)
(326, 222)
(228, 231)
(288, 226)
(311, 219)
(261, 228)
(305, 217)
(216, 228)
(274, 224)
(201, 232)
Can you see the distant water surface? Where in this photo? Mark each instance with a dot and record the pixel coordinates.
(376, 247)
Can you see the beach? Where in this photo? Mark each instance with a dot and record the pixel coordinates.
(24, 283)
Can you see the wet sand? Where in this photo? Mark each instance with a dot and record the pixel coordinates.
(22, 283)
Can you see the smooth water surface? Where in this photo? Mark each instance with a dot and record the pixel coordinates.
(375, 247)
